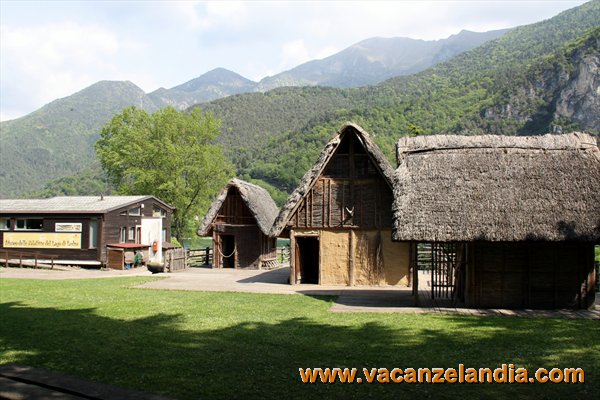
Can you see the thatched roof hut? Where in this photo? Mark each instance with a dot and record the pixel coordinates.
(258, 200)
(339, 217)
(310, 178)
(497, 188)
(511, 221)
(239, 221)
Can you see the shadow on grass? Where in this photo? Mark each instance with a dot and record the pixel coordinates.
(261, 360)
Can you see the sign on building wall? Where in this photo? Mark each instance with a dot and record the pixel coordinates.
(35, 240)
(67, 227)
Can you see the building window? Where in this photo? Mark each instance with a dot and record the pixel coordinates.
(93, 234)
(164, 235)
(123, 234)
(131, 233)
(158, 212)
(29, 224)
(4, 224)
(135, 211)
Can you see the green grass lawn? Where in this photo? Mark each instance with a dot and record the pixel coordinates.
(234, 345)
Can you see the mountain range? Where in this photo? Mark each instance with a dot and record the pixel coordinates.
(529, 80)
(57, 140)
(365, 63)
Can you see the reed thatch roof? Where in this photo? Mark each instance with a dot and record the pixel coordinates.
(258, 200)
(311, 177)
(497, 188)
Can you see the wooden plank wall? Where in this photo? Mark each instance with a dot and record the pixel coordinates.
(350, 193)
(249, 242)
(234, 210)
(530, 275)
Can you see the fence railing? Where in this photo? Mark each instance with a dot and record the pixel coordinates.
(203, 257)
(27, 259)
(200, 257)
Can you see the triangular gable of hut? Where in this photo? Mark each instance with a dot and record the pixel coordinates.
(497, 188)
(256, 203)
(375, 157)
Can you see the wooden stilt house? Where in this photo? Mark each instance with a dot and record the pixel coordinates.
(239, 221)
(511, 222)
(339, 217)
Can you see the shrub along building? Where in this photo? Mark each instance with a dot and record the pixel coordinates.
(512, 221)
(76, 230)
(339, 218)
(239, 221)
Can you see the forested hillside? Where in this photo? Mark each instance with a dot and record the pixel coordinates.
(512, 85)
(535, 79)
(59, 138)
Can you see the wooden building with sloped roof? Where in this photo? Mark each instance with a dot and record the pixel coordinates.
(239, 221)
(339, 217)
(77, 229)
(511, 221)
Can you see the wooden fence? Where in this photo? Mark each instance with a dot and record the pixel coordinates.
(200, 257)
(28, 259)
(204, 257)
(176, 259)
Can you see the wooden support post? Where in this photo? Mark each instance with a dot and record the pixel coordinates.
(323, 224)
(351, 256)
(413, 257)
(293, 256)
(329, 204)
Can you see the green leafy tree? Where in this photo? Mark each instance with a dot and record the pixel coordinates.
(168, 154)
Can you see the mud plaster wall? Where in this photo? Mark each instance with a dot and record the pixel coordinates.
(334, 248)
(378, 260)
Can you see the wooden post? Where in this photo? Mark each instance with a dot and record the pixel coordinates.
(329, 203)
(351, 256)
(413, 257)
(293, 255)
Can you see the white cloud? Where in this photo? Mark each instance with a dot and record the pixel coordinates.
(42, 63)
(293, 53)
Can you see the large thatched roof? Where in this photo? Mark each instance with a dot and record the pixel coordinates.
(497, 188)
(258, 200)
(311, 177)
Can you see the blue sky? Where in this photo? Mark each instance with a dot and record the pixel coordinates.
(52, 49)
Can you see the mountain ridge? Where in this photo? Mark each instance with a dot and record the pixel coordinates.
(259, 129)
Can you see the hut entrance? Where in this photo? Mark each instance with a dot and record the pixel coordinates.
(307, 259)
(443, 261)
(228, 251)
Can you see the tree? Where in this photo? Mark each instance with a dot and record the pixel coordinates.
(168, 154)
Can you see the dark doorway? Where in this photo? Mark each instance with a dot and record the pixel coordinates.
(307, 260)
(228, 251)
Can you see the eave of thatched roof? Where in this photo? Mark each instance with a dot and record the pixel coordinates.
(258, 200)
(310, 178)
(497, 188)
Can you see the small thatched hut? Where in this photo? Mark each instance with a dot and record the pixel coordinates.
(516, 216)
(239, 221)
(339, 218)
